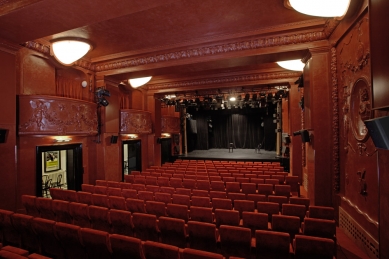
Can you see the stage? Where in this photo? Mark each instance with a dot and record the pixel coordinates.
(237, 155)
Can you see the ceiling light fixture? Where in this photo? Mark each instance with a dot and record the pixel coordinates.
(137, 82)
(322, 8)
(69, 50)
(232, 99)
(295, 65)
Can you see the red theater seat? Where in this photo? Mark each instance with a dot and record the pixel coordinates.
(321, 212)
(156, 208)
(155, 250)
(202, 236)
(189, 253)
(270, 208)
(278, 199)
(202, 193)
(256, 198)
(184, 191)
(163, 197)
(135, 205)
(44, 205)
(99, 218)
(306, 247)
(201, 214)
(178, 211)
(112, 191)
(273, 245)
(235, 241)
(227, 217)
(232, 187)
(100, 200)
(145, 226)
(249, 188)
(181, 199)
(130, 193)
(218, 194)
(255, 221)
(288, 224)
(80, 214)
(126, 247)
(145, 196)
(118, 203)
(96, 243)
(113, 184)
(265, 189)
(49, 244)
(172, 231)
(28, 202)
(244, 205)
(84, 197)
(300, 201)
(28, 238)
(319, 228)
(218, 203)
(176, 182)
(61, 211)
(294, 210)
(70, 238)
(201, 202)
(100, 189)
(151, 180)
(121, 222)
(218, 186)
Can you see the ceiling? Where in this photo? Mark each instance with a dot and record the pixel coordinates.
(184, 44)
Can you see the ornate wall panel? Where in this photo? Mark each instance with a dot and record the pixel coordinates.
(170, 124)
(50, 115)
(358, 167)
(135, 121)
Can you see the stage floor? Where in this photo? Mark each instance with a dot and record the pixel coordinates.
(237, 154)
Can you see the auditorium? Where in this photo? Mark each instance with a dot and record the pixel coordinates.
(186, 129)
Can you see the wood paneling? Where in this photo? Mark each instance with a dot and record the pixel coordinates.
(135, 122)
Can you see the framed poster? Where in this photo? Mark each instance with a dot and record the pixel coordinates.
(52, 161)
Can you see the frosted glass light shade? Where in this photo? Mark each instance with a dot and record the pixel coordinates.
(295, 65)
(323, 8)
(69, 51)
(136, 82)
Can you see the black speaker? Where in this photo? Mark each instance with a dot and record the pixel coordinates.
(305, 136)
(114, 139)
(3, 134)
(285, 138)
(379, 131)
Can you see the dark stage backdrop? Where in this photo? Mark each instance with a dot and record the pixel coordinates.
(216, 129)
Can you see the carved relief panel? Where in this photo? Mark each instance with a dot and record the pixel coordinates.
(135, 121)
(50, 115)
(170, 124)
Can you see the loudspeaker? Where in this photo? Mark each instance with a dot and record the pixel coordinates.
(285, 138)
(114, 139)
(3, 133)
(379, 131)
(305, 136)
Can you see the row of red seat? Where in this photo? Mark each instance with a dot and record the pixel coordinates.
(12, 252)
(120, 220)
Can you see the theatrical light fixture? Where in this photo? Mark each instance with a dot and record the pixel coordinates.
(62, 139)
(69, 50)
(232, 99)
(295, 65)
(137, 82)
(100, 93)
(322, 8)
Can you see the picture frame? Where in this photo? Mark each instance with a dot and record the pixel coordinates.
(52, 161)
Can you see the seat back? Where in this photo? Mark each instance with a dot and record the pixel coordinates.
(145, 226)
(114, 191)
(181, 199)
(99, 218)
(201, 201)
(270, 208)
(44, 205)
(28, 202)
(172, 231)
(145, 195)
(163, 197)
(189, 253)
(100, 200)
(130, 193)
(202, 236)
(80, 214)
(294, 210)
(201, 214)
(155, 250)
(96, 243)
(121, 222)
(125, 247)
(319, 228)
(235, 241)
(156, 208)
(233, 187)
(218, 186)
(218, 203)
(244, 205)
(272, 244)
(135, 205)
(118, 203)
(321, 212)
(61, 211)
(70, 238)
(255, 221)
(227, 217)
(84, 197)
(218, 194)
(249, 188)
(178, 211)
(300, 201)
(313, 247)
(23, 225)
(48, 242)
(288, 224)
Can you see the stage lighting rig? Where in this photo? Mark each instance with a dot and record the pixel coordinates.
(100, 93)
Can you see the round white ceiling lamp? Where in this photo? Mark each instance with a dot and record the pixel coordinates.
(322, 8)
(295, 65)
(69, 50)
(137, 82)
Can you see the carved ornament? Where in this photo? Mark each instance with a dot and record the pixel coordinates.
(50, 115)
(170, 124)
(335, 121)
(135, 122)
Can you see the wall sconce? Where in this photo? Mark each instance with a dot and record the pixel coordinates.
(137, 82)
(60, 139)
(69, 50)
(294, 65)
(322, 8)
(132, 136)
(165, 135)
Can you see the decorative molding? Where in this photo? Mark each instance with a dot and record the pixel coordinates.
(335, 122)
(224, 80)
(51, 115)
(9, 47)
(170, 124)
(368, 218)
(37, 47)
(330, 26)
(135, 122)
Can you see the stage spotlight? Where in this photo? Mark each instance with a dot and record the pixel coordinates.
(232, 99)
(100, 92)
(102, 101)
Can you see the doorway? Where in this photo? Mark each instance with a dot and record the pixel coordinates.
(132, 156)
(166, 150)
(58, 166)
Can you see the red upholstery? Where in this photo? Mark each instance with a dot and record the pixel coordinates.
(163, 197)
(135, 205)
(70, 238)
(236, 196)
(178, 211)
(151, 180)
(201, 214)
(155, 250)
(118, 203)
(201, 193)
(100, 189)
(218, 203)
(201, 201)
(167, 189)
(14, 250)
(121, 222)
(218, 194)
(87, 188)
(44, 205)
(28, 238)
(113, 184)
(294, 210)
(280, 178)
(255, 221)
(28, 202)
(257, 181)
(80, 214)
(100, 200)
(145, 226)
(282, 190)
(249, 188)
(321, 212)
(84, 197)
(227, 217)
(189, 253)
(256, 198)
(99, 218)
(319, 228)
(129, 178)
(288, 224)
(145, 195)
(176, 182)
(203, 184)
(217, 186)
(96, 243)
(278, 199)
(156, 208)
(126, 247)
(125, 185)
(273, 245)
(266, 189)
(139, 179)
(232, 187)
(61, 211)
(183, 191)
(181, 199)
(244, 205)
(270, 208)
(152, 188)
(112, 191)
(306, 247)
(9, 255)
(163, 181)
(235, 241)
(202, 236)
(101, 183)
(172, 231)
(138, 187)
(130, 193)
(300, 201)
(49, 244)
(189, 183)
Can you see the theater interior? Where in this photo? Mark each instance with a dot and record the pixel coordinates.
(216, 106)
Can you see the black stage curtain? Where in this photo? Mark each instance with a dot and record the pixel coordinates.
(217, 130)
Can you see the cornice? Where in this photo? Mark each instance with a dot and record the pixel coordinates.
(224, 80)
(9, 47)
(37, 46)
